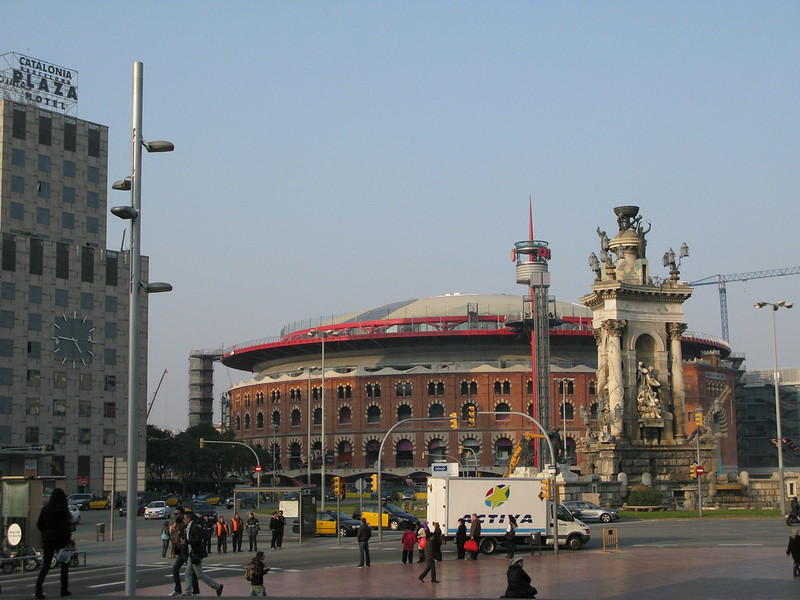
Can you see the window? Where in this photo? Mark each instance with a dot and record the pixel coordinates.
(92, 224)
(60, 406)
(111, 330)
(17, 211)
(436, 410)
(34, 378)
(435, 388)
(345, 392)
(374, 414)
(70, 136)
(17, 157)
(111, 304)
(94, 141)
(317, 416)
(44, 163)
(45, 130)
(37, 256)
(84, 408)
(502, 387)
(469, 388)
(84, 436)
(110, 384)
(35, 294)
(68, 194)
(109, 410)
(592, 388)
(345, 415)
(110, 356)
(18, 184)
(59, 435)
(9, 252)
(42, 216)
(32, 406)
(87, 301)
(5, 405)
(111, 269)
(31, 435)
(34, 350)
(85, 381)
(259, 420)
(7, 319)
(276, 417)
(403, 412)
(7, 290)
(60, 379)
(87, 264)
(6, 347)
(373, 390)
(247, 421)
(68, 168)
(18, 125)
(43, 189)
(502, 407)
(62, 297)
(6, 376)
(295, 417)
(67, 220)
(93, 175)
(34, 322)
(109, 437)
(62, 261)
(92, 199)
(403, 389)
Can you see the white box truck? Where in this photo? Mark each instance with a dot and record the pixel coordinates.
(493, 499)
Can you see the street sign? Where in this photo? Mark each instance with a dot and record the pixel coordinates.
(258, 468)
(361, 485)
(699, 470)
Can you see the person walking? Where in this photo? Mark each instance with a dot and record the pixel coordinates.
(253, 527)
(222, 531)
(511, 536)
(793, 549)
(461, 537)
(237, 532)
(255, 575)
(437, 541)
(475, 534)
(177, 536)
(363, 535)
(408, 541)
(196, 538)
(277, 524)
(164, 539)
(430, 559)
(518, 581)
(54, 524)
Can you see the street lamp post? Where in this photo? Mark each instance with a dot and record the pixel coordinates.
(133, 183)
(204, 441)
(309, 418)
(563, 381)
(322, 335)
(775, 306)
(274, 426)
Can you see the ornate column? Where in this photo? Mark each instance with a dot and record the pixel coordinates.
(675, 331)
(616, 392)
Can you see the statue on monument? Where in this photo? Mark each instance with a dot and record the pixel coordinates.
(648, 402)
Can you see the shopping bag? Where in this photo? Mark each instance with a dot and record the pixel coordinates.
(471, 546)
(64, 556)
(421, 543)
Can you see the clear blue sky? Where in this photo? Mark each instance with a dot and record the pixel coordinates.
(335, 156)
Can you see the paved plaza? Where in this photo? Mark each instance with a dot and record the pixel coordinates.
(641, 573)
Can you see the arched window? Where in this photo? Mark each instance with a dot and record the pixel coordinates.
(502, 451)
(529, 387)
(345, 415)
(344, 454)
(436, 410)
(373, 390)
(592, 388)
(238, 422)
(569, 409)
(316, 392)
(295, 456)
(403, 412)
(594, 409)
(436, 451)
(530, 409)
(276, 417)
(247, 421)
(371, 449)
(344, 392)
(502, 407)
(296, 417)
(403, 389)
(259, 420)
(465, 410)
(374, 414)
(317, 416)
(404, 453)
(436, 388)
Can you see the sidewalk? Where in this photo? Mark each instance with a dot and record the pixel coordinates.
(630, 574)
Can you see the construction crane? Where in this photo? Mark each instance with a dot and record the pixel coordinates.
(158, 387)
(721, 280)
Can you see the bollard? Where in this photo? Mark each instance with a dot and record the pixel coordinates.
(610, 538)
(536, 542)
(101, 531)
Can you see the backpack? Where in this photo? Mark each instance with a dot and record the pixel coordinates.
(250, 571)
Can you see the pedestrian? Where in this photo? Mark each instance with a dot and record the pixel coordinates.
(794, 549)
(164, 539)
(363, 535)
(55, 523)
(519, 582)
(222, 532)
(475, 534)
(408, 541)
(461, 537)
(208, 529)
(430, 559)
(437, 540)
(252, 531)
(422, 539)
(195, 538)
(255, 575)
(277, 524)
(795, 506)
(511, 536)
(180, 548)
(237, 532)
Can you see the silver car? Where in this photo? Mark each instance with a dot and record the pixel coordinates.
(589, 511)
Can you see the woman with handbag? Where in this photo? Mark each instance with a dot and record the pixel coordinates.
(164, 539)
(55, 524)
(461, 538)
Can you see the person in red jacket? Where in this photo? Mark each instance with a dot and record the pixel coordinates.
(222, 530)
(408, 541)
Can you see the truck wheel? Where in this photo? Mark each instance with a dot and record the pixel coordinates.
(605, 518)
(574, 542)
(394, 525)
(488, 545)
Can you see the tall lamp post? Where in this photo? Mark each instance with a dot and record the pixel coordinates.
(133, 183)
(274, 426)
(564, 381)
(309, 418)
(204, 441)
(775, 306)
(322, 335)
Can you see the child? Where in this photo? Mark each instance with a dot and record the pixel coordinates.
(255, 575)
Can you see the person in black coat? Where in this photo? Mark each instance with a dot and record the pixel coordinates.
(461, 537)
(519, 582)
(55, 524)
(794, 549)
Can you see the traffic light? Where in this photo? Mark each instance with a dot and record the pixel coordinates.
(337, 486)
(202, 443)
(698, 418)
(374, 482)
(547, 489)
(471, 414)
(453, 420)
(791, 444)
(693, 471)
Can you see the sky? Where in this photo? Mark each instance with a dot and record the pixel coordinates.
(335, 156)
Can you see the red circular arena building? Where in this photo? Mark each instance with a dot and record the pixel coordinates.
(429, 357)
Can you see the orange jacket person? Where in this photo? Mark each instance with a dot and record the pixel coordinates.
(222, 530)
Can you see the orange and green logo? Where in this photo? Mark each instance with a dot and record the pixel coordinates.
(497, 495)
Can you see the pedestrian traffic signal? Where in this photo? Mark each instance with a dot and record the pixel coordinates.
(337, 486)
(453, 420)
(791, 444)
(698, 418)
(374, 482)
(693, 471)
(471, 414)
(547, 489)
(202, 443)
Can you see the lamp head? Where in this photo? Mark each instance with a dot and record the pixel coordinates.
(126, 213)
(159, 146)
(156, 287)
(123, 185)
(760, 304)
(784, 303)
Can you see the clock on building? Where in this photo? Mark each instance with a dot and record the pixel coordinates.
(73, 339)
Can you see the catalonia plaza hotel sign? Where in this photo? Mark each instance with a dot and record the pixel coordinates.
(28, 80)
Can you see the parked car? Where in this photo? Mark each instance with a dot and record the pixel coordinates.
(326, 524)
(203, 508)
(589, 511)
(89, 502)
(393, 517)
(408, 495)
(123, 508)
(157, 509)
(212, 499)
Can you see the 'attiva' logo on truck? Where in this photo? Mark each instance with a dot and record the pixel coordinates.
(497, 496)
